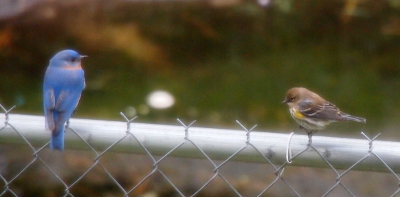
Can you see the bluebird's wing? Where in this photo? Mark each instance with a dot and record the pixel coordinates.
(66, 104)
(49, 103)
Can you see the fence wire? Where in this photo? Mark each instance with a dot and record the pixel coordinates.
(250, 143)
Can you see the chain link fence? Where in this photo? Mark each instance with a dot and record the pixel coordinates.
(215, 148)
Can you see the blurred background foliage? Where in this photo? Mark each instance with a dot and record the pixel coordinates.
(222, 60)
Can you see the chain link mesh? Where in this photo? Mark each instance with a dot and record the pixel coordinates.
(9, 178)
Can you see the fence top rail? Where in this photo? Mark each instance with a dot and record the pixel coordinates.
(216, 143)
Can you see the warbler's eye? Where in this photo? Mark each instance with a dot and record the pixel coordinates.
(291, 99)
(73, 59)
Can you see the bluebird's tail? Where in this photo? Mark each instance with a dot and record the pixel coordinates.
(57, 139)
(348, 117)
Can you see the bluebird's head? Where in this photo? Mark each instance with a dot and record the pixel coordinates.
(68, 59)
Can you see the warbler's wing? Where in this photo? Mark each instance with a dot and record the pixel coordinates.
(309, 108)
(324, 111)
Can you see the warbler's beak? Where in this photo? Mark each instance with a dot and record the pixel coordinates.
(285, 101)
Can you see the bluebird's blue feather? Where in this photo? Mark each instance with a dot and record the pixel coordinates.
(63, 84)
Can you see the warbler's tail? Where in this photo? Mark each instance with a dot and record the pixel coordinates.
(348, 117)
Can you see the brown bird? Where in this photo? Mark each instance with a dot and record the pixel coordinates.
(313, 112)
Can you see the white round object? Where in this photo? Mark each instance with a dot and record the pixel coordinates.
(160, 99)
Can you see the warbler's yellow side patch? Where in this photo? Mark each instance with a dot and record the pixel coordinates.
(297, 114)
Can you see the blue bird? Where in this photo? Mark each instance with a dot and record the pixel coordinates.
(63, 84)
